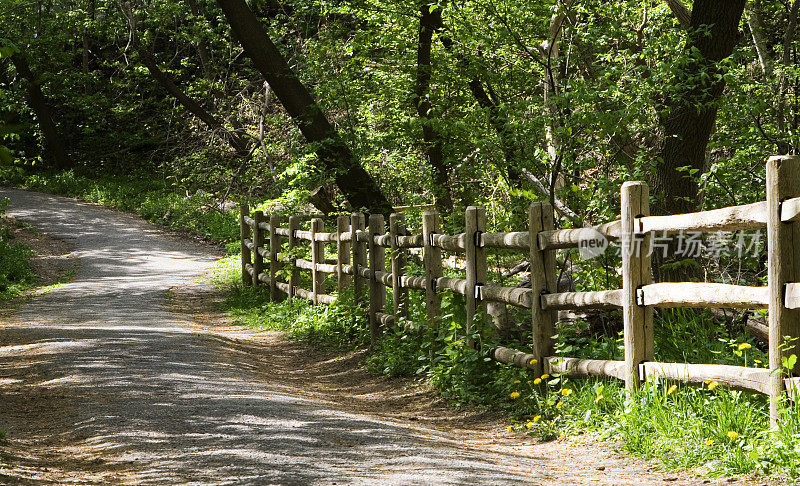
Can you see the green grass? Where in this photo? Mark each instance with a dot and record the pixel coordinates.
(329, 326)
(16, 275)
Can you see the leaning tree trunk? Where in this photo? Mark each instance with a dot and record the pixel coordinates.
(190, 104)
(497, 118)
(38, 104)
(691, 110)
(334, 155)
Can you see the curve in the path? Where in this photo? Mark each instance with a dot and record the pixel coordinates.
(131, 383)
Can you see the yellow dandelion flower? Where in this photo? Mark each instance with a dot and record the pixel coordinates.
(672, 389)
(566, 391)
(713, 385)
(509, 428)
(757, 361)
(516, 382)
(559, 404)
(545, 376)
(529, 424)
(537, 381)
(561, 435)
(514, 395)
(706, 381)
(532, 361)
(598, 398)
(709, 442)
(733, 435)
(528, 382)
(537, 418)
(744, 346)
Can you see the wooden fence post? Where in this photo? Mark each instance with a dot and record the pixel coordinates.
(432, 261)
(399, 294)
(244, 235)
(377, 263)
(636, 271)
(342, 252)
(359, 255)
(317, 257)
(258, 245)
(543, 280)
(783, 252)
(475, 224)
(275, 294)
(294, 275)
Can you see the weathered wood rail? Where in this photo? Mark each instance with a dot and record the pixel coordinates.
(361, 263)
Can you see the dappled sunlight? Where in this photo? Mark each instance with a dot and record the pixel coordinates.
(104, 377)
(46, 347)
(182, 410)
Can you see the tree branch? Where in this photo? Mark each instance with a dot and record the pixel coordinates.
(193, 106)
(558, 204)
(681, 12)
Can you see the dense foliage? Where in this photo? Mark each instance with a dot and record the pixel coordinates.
(575, 93)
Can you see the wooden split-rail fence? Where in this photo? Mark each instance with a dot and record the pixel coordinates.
(361, 262)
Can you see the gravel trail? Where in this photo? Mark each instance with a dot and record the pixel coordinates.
(102, 383)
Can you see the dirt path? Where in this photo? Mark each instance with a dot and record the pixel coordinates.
(106, 380)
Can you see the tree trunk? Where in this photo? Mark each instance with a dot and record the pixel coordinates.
(783, 141)
(38, 104)
(214, 123)
(497, 119)
(550, 51)
(85, 38)
(757, 33)
(680, 11)
(334, 155)
(783, 80)
(429, 22)
(690, 113)
(500, 123)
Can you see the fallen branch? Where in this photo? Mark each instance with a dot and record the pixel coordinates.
(520, 267)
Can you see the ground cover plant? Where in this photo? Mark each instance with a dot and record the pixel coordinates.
(15, 270)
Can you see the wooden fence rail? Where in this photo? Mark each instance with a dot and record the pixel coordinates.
(360, 261)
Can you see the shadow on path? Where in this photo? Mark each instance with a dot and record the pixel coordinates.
(101, 383)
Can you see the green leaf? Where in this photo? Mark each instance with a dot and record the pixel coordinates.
(7, 48)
